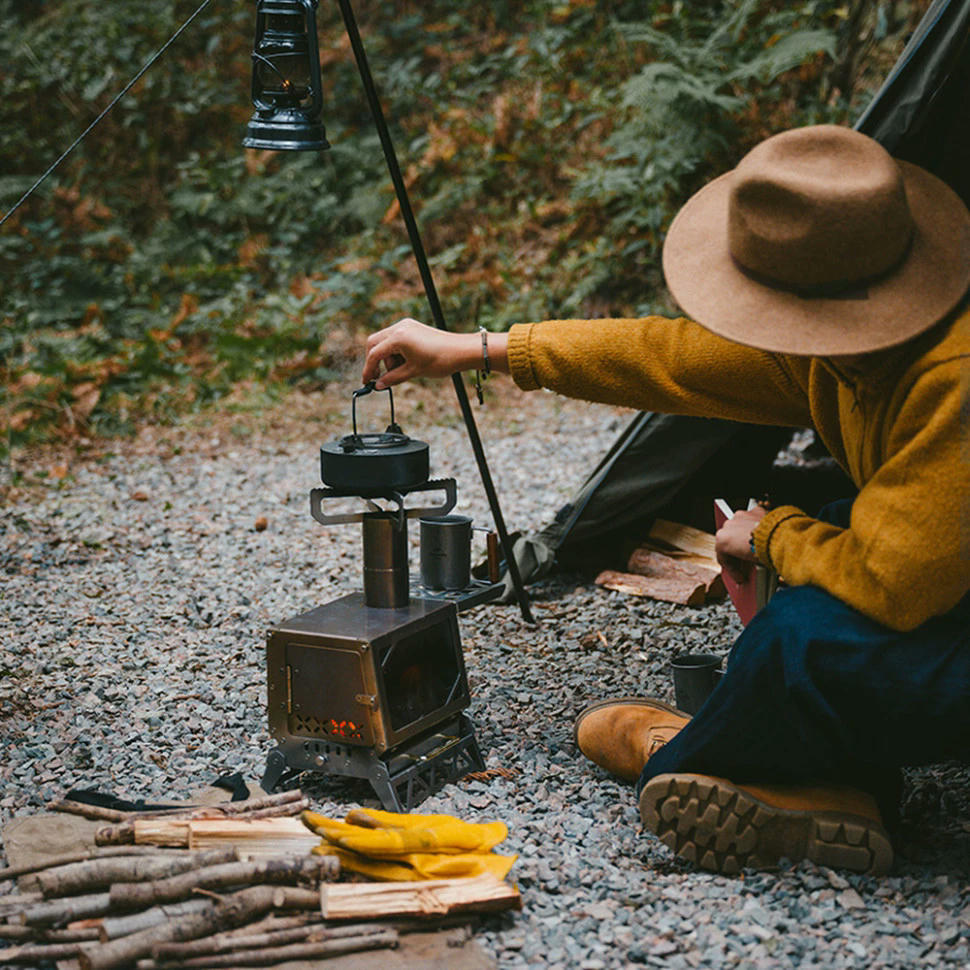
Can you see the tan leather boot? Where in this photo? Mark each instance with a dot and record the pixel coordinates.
(620, 733)
(726, 827)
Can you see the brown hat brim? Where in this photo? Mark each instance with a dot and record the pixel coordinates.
(713, 290)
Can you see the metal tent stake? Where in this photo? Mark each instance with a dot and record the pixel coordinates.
(432, 295)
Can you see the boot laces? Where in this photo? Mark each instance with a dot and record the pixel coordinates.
(659, 737)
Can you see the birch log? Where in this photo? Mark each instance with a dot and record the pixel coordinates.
(17, 902)
(245, 939)
(112, 927)
(311, 949)
(21, 933)
(15, 872)
(173, 823)
(94, 874)
(291, 799)
(308, 870)
(177, 954)
(234, 910)
(34, 953)
(275, 922)
(100, 812)
(57, 912)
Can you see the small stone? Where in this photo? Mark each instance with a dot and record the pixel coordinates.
(850, 899)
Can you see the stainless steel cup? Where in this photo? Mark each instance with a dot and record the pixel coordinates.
(446, 552)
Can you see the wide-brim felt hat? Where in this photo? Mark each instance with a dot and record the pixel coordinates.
(820, 243)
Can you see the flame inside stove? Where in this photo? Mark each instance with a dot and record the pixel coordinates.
(345, 729)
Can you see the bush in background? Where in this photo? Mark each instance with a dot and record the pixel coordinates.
(546, 146)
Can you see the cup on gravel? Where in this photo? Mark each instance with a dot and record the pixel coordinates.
(695, 675)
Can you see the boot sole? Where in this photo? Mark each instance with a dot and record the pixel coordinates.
(723, 828)
(612, 701)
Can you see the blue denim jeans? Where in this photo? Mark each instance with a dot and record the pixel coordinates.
(815, 692)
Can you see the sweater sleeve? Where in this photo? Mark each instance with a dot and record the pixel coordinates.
(906, 554)
(656, 364)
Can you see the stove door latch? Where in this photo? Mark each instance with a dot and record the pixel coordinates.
(367, 700)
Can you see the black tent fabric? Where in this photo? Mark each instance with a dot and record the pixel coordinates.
(921, 113)
(670, 466)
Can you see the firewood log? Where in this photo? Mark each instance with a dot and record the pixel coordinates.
(19, 932)
(175, 829)
(276, 922)
(102, 813)
(17, 901)
(57, 912)
(646, 562)
(112, 927)
(684, 537)
(234, 910)
(97, 813)
(312, 949)
(669, 589)
(286, 798)
(299, 869)
(291, 809)
(253, 837)
(94, 874)
(431, 897)
(15, 872)
(34, 953)
(256, 837)
(245, 938)
(171, 828)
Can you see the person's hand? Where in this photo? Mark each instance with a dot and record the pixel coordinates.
(409, 349)
(732, 543)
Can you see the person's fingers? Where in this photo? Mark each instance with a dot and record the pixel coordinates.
(382, 350)
(392, 347)
(395, 374)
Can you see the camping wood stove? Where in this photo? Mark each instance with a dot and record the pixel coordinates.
(373, 685)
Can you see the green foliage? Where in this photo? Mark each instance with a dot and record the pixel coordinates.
(721, 80)
(546, 144)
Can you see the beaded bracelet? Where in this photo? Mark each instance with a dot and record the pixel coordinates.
(482, 374)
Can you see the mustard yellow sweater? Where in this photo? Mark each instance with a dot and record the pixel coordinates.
(898, 422)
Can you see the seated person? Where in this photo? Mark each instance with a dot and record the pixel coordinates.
(826, 284)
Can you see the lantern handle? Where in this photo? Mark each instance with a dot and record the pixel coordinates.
(286, 81)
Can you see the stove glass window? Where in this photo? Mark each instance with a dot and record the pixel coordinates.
(421, 674)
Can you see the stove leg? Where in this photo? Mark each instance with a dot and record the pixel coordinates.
(276, 768)
(380, 780)
(402, 789)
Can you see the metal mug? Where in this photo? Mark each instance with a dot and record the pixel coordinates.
(446, 552)
(695, 676)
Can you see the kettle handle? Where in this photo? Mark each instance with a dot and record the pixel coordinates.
(368, 388)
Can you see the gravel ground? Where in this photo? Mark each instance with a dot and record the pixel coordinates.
(137, 588)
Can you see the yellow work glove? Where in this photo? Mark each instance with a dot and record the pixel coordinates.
(420, 865)
(388, 845)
